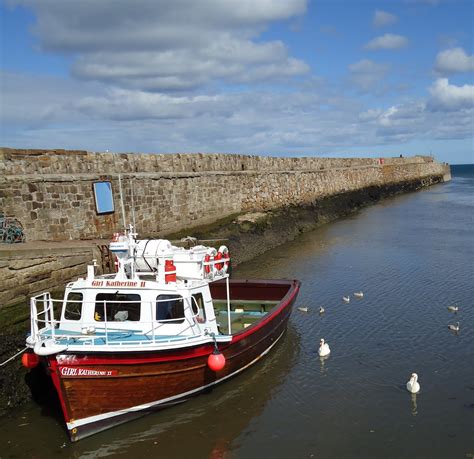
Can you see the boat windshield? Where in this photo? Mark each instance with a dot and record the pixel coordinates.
(117, 307)
(170, 308)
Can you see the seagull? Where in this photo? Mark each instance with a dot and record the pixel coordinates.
(454, 328)
(346, 299)
(321, 310)
(413, 386)
(359, 294)
(323, 348)
(303, 309)
(453, 308)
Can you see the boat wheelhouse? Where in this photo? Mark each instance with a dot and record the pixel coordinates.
(167, 325)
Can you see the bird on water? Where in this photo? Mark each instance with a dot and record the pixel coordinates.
(453, 308)
(359, 294)
(454, 328)
(323, 348)
(321, 310)
(346, 299)
(413, 386)
(303, 309)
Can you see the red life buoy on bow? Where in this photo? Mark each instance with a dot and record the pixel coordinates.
(216, 361)
(30, 360)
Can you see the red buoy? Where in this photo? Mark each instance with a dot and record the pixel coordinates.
(216, 361)
(30, 360)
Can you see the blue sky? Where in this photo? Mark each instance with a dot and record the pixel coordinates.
(274, 77)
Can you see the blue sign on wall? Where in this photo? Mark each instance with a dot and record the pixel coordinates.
(104, 200)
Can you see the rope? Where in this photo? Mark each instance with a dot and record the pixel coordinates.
(11, 358)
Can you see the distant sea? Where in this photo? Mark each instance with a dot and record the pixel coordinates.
(463, 170)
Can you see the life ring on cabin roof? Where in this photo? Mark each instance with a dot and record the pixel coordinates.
(209, 259)
(223, 254)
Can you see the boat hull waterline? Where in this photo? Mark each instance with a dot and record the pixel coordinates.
(101, 390)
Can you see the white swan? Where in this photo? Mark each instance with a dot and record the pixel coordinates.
(323, 348)
(321, 310)
(454, 328)
(413, 386)
(346, 299)
(359, 294)
(303, 309)
(453, 308)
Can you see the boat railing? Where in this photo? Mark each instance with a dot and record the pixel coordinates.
(46, 324)
(207, 269)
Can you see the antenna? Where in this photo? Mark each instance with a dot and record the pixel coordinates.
(133, 203)
(121, 203)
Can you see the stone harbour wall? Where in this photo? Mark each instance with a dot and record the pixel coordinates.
(50, 192)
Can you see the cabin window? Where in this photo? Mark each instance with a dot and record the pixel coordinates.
(118, 307)
(197, 304)
(73, 307)
(170, 308)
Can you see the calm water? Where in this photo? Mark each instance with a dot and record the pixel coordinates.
(412, 256)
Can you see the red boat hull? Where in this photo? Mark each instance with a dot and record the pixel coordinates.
(101, 390)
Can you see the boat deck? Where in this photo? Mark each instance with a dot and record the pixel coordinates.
(118, 337)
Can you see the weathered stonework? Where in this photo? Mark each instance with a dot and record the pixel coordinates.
(50, 191)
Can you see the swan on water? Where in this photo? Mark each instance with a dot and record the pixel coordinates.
(346, 299)
(321, 310)
(323, 348)
(454, 328)
(359, 294)
(413, 386)
(303, 309)
(453, 308)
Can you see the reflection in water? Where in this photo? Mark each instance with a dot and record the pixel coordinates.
(322, 360)
(414, 406)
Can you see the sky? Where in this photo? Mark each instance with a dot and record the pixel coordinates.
(332, 78)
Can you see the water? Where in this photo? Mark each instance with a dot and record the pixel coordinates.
(412, 256)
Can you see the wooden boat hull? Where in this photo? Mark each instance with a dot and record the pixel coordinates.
(101, 390)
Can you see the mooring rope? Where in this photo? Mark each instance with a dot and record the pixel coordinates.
(11, 358)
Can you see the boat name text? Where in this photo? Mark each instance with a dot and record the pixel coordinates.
(114, 283)
(68, 371)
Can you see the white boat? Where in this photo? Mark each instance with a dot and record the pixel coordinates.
(167, 325)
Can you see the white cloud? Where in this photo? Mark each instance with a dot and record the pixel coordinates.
(160, 45)
(454, 60)
(382, 18)
(366, 73)
(448, 97)
(387, 41)
(75, 114)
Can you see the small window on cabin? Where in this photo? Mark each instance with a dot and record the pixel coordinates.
(117, 307)
(73, 308)
(170, 309)
(197, 304)
(104, 199)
